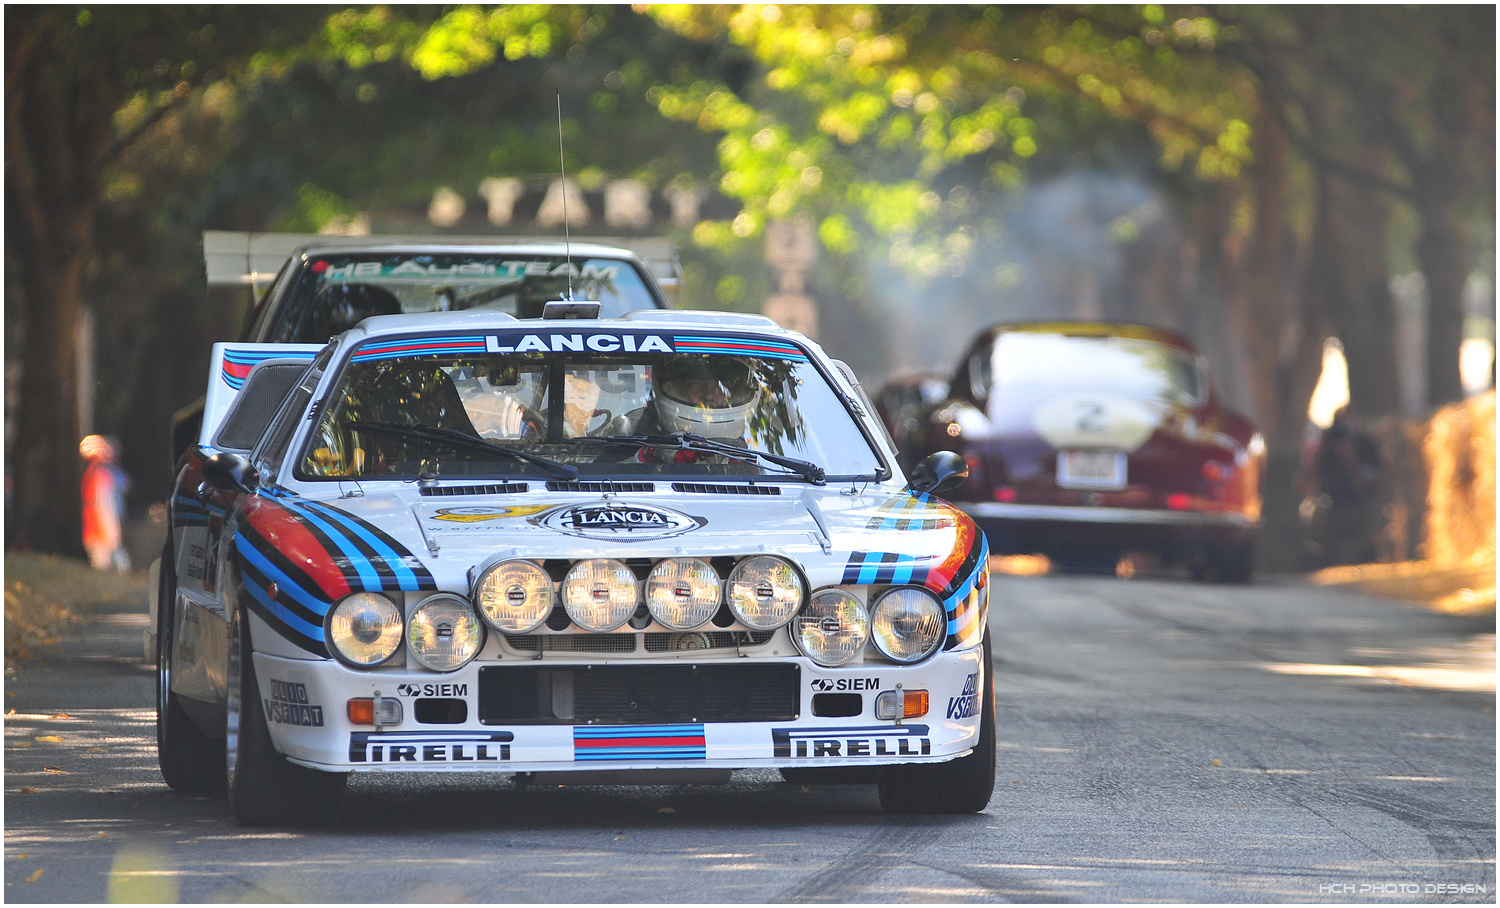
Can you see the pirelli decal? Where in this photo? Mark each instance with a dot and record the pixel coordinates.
(450, 747)
(862, 741)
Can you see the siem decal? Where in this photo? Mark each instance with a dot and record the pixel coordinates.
(963, 706)
(827, 684)
(288, 705)
(617, 521)
(430, 746)
(432, 690)
(867, 741)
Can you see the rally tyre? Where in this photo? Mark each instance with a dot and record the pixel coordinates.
(958, 786)
(189, 759)
(265, 789)
(1226, 562)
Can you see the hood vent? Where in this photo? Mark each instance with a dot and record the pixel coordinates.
(505, 488)
(711, 489)
(563, 485)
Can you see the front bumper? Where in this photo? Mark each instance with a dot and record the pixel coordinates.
(305, 705)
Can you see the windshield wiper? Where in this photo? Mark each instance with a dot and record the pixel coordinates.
(689, 441)
(464, 439)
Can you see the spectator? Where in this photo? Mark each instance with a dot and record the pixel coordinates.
(103, 492)
(1346, 467)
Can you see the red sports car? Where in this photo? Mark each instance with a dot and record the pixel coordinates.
(1085, 440)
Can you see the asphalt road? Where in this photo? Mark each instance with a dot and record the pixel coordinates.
(1159, 741)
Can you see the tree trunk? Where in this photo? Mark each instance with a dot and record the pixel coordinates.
(53, 145)
(1442, 251)
(1354, 285)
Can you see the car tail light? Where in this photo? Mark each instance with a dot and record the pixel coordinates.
(1005, 494)
(1179, 501)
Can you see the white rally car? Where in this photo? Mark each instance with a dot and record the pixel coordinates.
(654, 548)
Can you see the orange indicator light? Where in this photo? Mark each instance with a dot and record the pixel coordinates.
(362, 711)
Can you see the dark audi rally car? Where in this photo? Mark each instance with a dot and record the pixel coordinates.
(653, 548)
(1085, 440)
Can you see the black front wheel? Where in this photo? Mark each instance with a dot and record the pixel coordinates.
(963, 785)
(188, 758)
(266, 789)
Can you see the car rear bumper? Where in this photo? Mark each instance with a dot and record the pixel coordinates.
(1026, 528)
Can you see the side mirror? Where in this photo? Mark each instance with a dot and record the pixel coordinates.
(938, 471)
(230, 472)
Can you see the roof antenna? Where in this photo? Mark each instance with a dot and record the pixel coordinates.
(569, 307)
(563, 165)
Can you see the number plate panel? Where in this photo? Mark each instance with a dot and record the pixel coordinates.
(1091, 469)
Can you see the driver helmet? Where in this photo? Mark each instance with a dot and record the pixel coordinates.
(707, 394)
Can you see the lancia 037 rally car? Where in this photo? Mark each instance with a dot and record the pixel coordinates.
(1088, 439)
(661, 546)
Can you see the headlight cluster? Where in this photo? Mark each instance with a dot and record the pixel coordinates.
(444, 632)
(601, 594)
(906, 625)
(365, 630)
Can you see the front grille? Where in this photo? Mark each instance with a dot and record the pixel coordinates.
(492, 489)
(638, 694)
(572, 643)
(696, 640)
(565, 485)
(704, 488)
(655, 642)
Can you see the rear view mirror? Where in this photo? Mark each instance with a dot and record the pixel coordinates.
(230, 472)
(938, 471)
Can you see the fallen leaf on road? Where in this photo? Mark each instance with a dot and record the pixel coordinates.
(27, 791)
(1218, 763)
(54, 770)
(49, 739)
(62, 716)
(35, 876)
(98, 835)
(96, 750)
(22, 744)
(20, 856)
(666, 810)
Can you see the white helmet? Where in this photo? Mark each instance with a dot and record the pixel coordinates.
(706, 394)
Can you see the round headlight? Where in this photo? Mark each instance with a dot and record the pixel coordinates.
(832, 629)
(443, 633)
(764, 592)
(908, 625)
(364, 629)
(599, 594)
(683, 593)
(514, 596)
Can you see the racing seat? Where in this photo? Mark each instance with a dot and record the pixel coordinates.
(339, 307)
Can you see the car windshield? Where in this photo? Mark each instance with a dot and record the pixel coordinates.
(1032, 364)
(565, 403)
(336, 291)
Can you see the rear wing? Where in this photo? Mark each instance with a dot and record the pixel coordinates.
(231, 369)
(238, 259)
